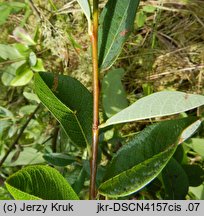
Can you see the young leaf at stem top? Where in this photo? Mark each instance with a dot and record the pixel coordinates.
(115, 25)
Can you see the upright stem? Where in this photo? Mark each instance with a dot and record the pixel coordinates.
(95, 130)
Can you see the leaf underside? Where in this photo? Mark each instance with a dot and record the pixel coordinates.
(156, 105)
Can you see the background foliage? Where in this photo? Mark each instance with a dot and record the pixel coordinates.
(165, 51)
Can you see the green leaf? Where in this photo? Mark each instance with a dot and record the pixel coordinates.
(198, 192)
(4, 124)
(175, 181)
(24, 50)
(5, 112)
(39, 182)
(149, 8)
(38, 66)
(113, 93)
(29, 156)
(79, 183)
(70, 102)
(9, 52)
(32, 59)
(147, 89)
(9, 72)
(85, 6)
(6, 118)
(8, 75)
(156, 105)
(195, 174)
(31, 97)
(180, 155)
(4, 195)
(4, 13)
(197, 144)
(15, 6)
(115, 25)
(12, 130)
(72, 175)
(27, 109)
(23, 76)
(141, 19)
(59, 159)
(100, 172)
(189, 131)
(140, 160)
(6, 8)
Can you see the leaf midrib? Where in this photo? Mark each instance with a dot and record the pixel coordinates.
(87, 143)
(74, 113)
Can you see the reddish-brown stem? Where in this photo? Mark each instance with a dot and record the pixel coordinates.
(95, 130)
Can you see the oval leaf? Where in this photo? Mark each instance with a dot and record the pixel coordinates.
(115, 25)
(113, 93)
(156, 105)
(70, 102)
(31, 96)
(32, 59)
(39, 182)
(147, 154)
